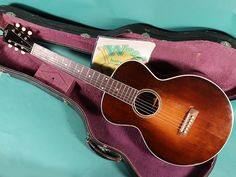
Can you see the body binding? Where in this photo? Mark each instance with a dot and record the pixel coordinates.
(176, 95)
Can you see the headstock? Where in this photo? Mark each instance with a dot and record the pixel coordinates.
(18, 37)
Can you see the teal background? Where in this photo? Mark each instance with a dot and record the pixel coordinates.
(46, 156)
(171, 14)
(226, 160)
(41, 136)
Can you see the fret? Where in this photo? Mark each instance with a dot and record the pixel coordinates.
(85, 70)
(63, 61)
(128, 94)
(69, 64)
(57, 59)
(73, 66)
(95, 76)
(127, 97)
(117, 89)
(113, 87)
(89, 76)
(54, 58)
(78, 69)
(81, 71)
(125, 92)
(121, 91)
(132, 95)
(106, 82)
(102, 85)
(110, 83)
(135, 94)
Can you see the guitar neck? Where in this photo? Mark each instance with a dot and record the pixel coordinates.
(102, 82)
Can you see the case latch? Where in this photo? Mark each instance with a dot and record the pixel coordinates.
(103, 150)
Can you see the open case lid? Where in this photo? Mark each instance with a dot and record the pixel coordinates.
(53, 22)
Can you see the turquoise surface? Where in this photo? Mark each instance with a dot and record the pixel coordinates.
(226, 160)
(41, 136)
(48, 155)
(174, 14)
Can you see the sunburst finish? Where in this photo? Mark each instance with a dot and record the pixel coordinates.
(208, 133)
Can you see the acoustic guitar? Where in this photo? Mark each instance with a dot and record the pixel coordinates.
(184, 120)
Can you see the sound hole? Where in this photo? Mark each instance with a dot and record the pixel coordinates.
(146, 103)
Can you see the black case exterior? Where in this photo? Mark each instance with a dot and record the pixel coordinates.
(50, 21)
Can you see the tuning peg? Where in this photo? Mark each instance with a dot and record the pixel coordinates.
(17, 25)
(22, 52)
(30, 33)
(16, 49)
(23, 29)
(9, 45)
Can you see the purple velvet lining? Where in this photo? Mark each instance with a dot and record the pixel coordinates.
(209, 59)
(60, 81)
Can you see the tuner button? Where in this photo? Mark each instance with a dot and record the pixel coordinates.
(16, 49)
(17, 25)
(23, 29)
(30, 33)
(22, 52)
(9, 45)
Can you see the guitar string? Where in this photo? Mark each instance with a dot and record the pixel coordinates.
(85, 77)
(164, 114)
(142, 100)
(63, 66)
(95, 83)
(109, 88)
(44, 49)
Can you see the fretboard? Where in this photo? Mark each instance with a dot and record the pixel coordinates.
(107, 84)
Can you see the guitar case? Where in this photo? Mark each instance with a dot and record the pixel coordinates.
(201, 52)
(42, 133)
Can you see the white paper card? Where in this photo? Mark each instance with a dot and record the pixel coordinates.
(112, 52)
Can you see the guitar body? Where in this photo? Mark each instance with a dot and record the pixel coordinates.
(169, 132)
